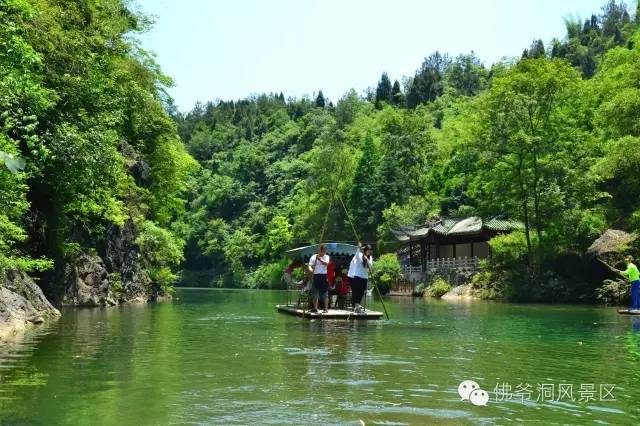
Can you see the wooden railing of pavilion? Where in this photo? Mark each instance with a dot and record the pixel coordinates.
(406, 285)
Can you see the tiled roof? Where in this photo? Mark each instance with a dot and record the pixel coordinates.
(456, 226)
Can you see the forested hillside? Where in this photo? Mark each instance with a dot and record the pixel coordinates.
(549, 139)
(95, 172)
(99, 188)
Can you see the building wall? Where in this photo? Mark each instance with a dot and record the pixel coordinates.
(463, 250)
(480, 250)
(446, 251)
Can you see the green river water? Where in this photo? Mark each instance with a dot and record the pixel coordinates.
(227, 357)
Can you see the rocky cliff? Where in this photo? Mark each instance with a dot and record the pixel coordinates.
(114, 276)
(22, 304)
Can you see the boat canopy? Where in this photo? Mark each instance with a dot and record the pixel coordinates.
(335, 249)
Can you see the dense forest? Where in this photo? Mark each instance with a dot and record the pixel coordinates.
(99, 164)
(548, 139)
(93, 159)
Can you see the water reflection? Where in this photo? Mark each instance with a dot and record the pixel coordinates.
(227, 357)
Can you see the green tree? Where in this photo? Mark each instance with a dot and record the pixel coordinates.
(528, 125)
(366, 200)
(384, 90)
(86, 108)
(466, 75)
(397, 97)
(320, 100)
(427, 84)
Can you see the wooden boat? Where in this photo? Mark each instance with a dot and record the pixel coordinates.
(627, 311)
(331, 314)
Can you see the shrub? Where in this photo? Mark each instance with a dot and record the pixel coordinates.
(385, 272)
(161, 250)
(419, 290)
(509, 251)
(116, 284)
(164, 278)
(267, 275)
(438, 288)
(487, 284)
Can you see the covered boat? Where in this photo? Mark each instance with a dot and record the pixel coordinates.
(340, 254)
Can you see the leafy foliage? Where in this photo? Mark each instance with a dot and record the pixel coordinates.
(385, 272)
(86, 109)
(438, 288)
(550, 139)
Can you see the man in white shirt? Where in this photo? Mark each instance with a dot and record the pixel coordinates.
(319, 287)
(359, 268)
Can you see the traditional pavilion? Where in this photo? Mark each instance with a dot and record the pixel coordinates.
(448, 242)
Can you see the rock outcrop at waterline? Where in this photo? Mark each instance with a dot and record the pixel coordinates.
(87, 283)
(113, 278)
(460, 292)
(22, 303)
(122, 256)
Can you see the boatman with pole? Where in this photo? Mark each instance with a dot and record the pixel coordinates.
(633, 275)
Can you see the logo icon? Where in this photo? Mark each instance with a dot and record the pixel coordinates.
(470, 390)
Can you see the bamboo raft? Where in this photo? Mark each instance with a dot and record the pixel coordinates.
(628, 312)
(332, 314)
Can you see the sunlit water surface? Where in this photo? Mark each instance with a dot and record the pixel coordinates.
(225, 357)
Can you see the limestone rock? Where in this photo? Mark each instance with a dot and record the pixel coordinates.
(122, 256)
(22, 303)
(87, 283)
(463, 291)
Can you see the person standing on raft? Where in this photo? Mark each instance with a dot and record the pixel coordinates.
(359, 274)
(319, 286)
(633, 275)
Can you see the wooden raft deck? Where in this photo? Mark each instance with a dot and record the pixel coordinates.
(332, 314)
(628, 312)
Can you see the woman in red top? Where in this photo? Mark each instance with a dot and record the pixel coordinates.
(344, 286)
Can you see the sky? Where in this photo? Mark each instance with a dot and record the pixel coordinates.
(229, 49)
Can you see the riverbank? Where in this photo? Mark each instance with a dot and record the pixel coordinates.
(22, 304)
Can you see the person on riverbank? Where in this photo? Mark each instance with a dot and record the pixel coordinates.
(319, 286)
(358, 275)
(633, 275)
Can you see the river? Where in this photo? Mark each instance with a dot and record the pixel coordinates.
(227, 357)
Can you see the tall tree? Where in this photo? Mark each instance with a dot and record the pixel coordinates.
(320, 102)
(613, 17)
(366, 199)
(528, 147)
(396, 94)
(383, 91)
(101, 151)
(466, 75)
(427, 84)
(536, 50)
